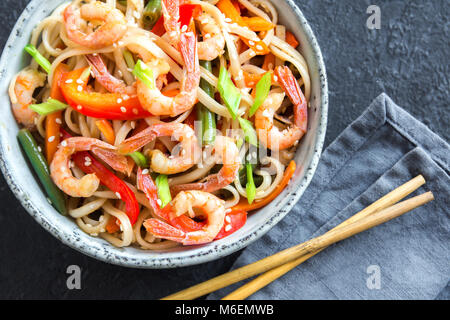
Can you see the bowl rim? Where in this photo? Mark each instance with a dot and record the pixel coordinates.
(201, 255)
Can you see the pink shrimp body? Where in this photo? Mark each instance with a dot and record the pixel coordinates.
(158, 104)
(113, 28)
(210, 206)
(213, 42)
(26, 82)
(159, 162)
(226, 153)
(269, 134)
(60, 169)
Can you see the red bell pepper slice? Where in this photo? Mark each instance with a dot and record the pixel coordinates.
(110, 106)
(108, 179)
(111, 181)
(237, 220)
(187, 12)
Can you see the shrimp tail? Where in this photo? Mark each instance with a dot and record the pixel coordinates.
(163, 230)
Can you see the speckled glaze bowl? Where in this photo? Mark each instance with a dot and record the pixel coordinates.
(20, 177)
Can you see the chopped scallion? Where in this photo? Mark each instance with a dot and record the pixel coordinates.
(144, 73)
(40, 59)
(139, 158)
(229, 93)
(48, 107)
(262, 91)
(162, 184)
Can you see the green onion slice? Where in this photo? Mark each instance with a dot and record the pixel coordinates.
(250, 187)
(262, 91)
(40, 59)
(129, 60)
(229, 93)
(249, 132)
(48, 107)
(162, 184)
(139, 158)
(144, 73)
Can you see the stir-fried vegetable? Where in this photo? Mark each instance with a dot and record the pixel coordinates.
(187, 12)
(250, 187)
(107, 130)
(207, 131)
(291, 39)
(111, 181)
(144, 73)
(258, 24)
(50, 106)
(139, 159)
(37, 160)
(40, 59)
(152, 13)
(53, 121)
(234, 220)
(288, 173)
(110, 106)
(249, 132)
(228, 92)
(261, 92)
(129, 60)
(230, 11)
(162, 184)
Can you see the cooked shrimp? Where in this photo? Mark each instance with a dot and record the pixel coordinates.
(113, 28)
(60, 169)
(26, 82)
(107, 80)
(210, 206)
(269, 134)
(159, 162)
(225, 152)
(111, 83)
(213, 42)
(158, 104)
(171, 14)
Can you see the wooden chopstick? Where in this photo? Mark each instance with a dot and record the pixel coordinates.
(297, 251)
(386, 201)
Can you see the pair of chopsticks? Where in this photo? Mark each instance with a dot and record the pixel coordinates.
(273, 267)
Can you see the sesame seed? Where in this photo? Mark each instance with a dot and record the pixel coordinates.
(39, 149)
(252, 43)
(207, 36)
(58, 121)
(95, 54)
(121, 42)
(159, 202)
(227, 218)
(79, 107)
(87, 164)
(126, 97)
(228, 20)
(135, 111)
(184, 28)
(228, 227)
(69, 81)
(228, 211)
(259, 47)
(252, 53)
(79, 81)
(123, 109)
(133, 124)
(118, 195)
(275, 78)
(205, 21)
(64, 143)
(87, 159)
(145, 171)
(51, 139)
(80, 88)
(119, 100)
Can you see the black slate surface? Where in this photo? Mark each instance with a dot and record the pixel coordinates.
(408, 58)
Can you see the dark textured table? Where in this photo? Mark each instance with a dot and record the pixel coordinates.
(408, 58)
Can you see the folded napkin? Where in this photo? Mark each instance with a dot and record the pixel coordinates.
(405, 258)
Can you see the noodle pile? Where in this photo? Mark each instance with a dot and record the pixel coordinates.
(92, 214)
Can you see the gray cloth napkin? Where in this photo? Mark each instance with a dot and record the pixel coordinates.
(406, 258)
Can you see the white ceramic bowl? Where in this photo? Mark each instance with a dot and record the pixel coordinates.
(20, 178)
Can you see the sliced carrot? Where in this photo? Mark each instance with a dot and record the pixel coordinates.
(237, 6)
(230, 11)
(53, 120)
(251, 79)
(106, 128)
(243, 203)
(291, 39)
(258, 24)
(269, 62)
(112, 226)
